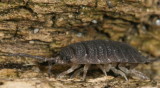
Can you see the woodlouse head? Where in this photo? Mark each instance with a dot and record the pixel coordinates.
(60, 60)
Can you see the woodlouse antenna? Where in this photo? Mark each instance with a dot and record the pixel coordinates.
(55, 60)
(31, 56)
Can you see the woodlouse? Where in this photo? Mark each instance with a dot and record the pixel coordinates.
(108, 55)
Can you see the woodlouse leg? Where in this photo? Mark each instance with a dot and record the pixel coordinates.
(75, 66)
(139, 74)
(107, 67)
(119, 72)
(102, 68)
(77, 72)
(133, 72)
(49, 69)
(85, 69)
(125, 70)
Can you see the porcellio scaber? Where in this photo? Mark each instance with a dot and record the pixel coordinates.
(108, 55)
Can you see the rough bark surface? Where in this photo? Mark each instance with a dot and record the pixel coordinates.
(42, 27)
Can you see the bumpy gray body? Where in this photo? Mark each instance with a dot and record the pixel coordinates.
(101, 52)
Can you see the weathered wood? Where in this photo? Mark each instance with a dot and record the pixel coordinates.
(39, 27)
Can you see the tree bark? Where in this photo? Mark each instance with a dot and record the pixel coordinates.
(43, 27)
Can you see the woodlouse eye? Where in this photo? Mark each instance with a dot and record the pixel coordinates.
(67, 58)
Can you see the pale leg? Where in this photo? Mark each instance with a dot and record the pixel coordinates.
(139, 74)
(107, 67)
(77, 72)
(102, 69)
(85, 69)
(75, 66)
(133, 72)
(119, 72)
